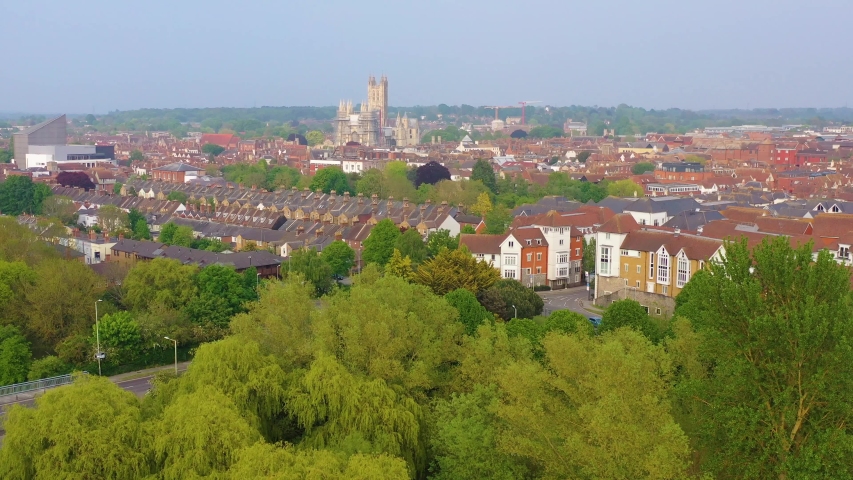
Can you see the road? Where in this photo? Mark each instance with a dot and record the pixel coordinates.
(573, 299)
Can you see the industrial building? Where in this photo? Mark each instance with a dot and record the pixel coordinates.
(45, 143)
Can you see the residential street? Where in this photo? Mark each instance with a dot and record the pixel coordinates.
(568, 299)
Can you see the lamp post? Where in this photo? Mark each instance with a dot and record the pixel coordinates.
(176, 354)
(258, 286)
(98, 355)
(516, 312)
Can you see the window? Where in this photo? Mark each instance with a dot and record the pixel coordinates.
(666, 290)
(527, 271)
(97, 254)
(509, 273)
(538, 256)
(663, 267)
(626, 282)
(509, 260)
(479, 256)
(656, 223)
(561, 241)
(562, 258)
(624, 253)
(638, 284)
(645, 307)
(511, 243)
(683, 271)
(563, 272)
(528, 242)
(493, 258)
(626, 268)
(604, 260)
(577, 251)
(639, 269)
(538, 270)
(529, 257)
(843, 252)
(657, 311)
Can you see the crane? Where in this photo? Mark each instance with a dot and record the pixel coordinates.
(497, 108)
(523, 107)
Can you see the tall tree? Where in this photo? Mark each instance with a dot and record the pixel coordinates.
(331, 178)
(19, 194)
(310, 265)
(777, 347)
(15, 355)
(629, 313)
(379, 245)
(439, 240)
(431, 173)
(483, 205)
(453, 269)
(484, 172)
(411, 244)
(571, 418)
(59, 438)
(339, 256)
(498, 220)
(161, 281)
(399, 266)
(471, 313)
(588, 255)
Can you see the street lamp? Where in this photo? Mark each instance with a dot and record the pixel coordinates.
(516, 312)
(176, 354)
(98, 355)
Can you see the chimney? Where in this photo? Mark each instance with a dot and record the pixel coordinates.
(339, 235)
(390, 202)
(677, 231)
(360, 199)
(318, 232)
(332, 195)
(300, 228)
(374, 199)
(305, 192)
(346, 196)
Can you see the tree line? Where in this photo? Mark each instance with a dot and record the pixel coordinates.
(407, 374)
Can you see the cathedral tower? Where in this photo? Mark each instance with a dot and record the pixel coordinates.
(377, 98)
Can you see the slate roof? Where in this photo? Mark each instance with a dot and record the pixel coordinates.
(691, 220)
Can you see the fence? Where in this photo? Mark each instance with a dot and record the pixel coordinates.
(42, 384)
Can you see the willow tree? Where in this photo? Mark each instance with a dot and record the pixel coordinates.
(777, 329)
(92, 429)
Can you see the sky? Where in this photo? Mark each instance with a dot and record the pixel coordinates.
(95, 56)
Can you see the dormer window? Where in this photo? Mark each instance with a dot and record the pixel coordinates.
(835, 209)
(844, 251)
(528, 242)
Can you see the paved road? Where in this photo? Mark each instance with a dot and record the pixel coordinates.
(573, 299)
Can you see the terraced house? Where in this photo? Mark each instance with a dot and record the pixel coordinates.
(648, 265)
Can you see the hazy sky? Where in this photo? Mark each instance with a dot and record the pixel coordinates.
(89, 56)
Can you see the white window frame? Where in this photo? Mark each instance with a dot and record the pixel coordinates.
(663, 267)
(683, 271)
(605, 259)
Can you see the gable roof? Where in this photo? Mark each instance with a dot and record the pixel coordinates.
(620, 223)
(482, 243)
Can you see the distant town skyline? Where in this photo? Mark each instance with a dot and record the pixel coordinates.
(96, 56)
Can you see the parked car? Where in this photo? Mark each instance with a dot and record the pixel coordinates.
(595, 321)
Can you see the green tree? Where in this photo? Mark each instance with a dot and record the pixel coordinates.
(483, 205)
(545, 131)
(315, 137)
(200, 434)
(629, 313)
(136, 156)
(439, 240)
(588, 255)
(161, 281)
(60, 303)
(468, 230)
(141, 231)
(15, 355)
(640, 168)
(471, 313)
(331, 178)
(61, 208)
(569, 418)
(465, 439)
(311, 266)
(274, 461)
(624, 188)
(121, 338)
(484, 172)
(19, 194)
(46, 367)
(399, 266)
(59, 438)
(379, 245)
(371, 182)
(177, 196)
(454, 269)
(508, 292)
(498, 220)
(212, 150)
(339, 256)
(221, 294)
(583, 156)
(172, 234)
(776, 333)
(112, 219)
(411, 244)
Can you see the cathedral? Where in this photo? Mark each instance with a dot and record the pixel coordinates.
(368, 126)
